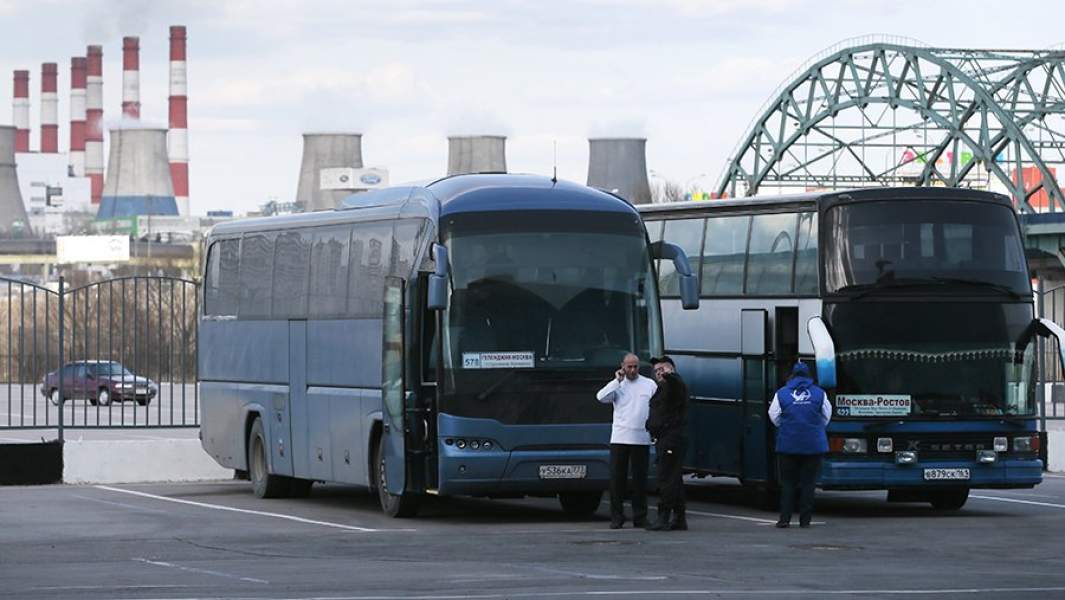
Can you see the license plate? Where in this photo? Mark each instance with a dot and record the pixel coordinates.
(940, 474)
(563, 471)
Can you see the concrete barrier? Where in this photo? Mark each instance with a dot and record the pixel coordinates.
(139, 461)
(1056, 451)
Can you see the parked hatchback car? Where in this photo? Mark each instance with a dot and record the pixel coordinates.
(100, 382)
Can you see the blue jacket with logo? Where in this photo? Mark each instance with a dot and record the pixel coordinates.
(802, 425)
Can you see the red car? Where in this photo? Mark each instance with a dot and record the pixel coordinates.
(100, 382)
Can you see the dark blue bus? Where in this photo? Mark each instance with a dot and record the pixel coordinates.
(917, 306)
(446, 339)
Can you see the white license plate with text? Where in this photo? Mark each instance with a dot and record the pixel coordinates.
(946, 474)
(563, 471)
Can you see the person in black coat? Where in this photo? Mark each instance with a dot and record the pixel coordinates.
(667, 422)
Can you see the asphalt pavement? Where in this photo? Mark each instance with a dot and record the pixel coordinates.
(216, 540)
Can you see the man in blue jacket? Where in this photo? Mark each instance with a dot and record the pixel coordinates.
(801, 411)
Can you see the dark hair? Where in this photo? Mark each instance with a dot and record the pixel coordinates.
(663, 359)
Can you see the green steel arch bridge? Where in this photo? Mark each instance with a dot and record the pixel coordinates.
(886, 111)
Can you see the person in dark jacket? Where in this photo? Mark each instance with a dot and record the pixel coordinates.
(801, 411)
(667, 421)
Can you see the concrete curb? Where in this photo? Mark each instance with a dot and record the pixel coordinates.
(139, 461)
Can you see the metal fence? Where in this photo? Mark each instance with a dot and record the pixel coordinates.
(128, 346)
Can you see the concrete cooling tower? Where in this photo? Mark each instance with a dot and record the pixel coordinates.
(476, 154)
(619, 165)
(13, 221)
(326, 152)
(138, 175)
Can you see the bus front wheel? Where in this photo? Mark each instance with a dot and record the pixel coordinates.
(263, 483)
(951, 499)
(580, 504)
(393, 505)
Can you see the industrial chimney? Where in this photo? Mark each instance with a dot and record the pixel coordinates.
(49, 109)
(77, 116)
(94, 117)
(619, 165)
(138, 175)
(131, 78)
(13, 219)
(323, 152)
(476, 154)
(20, 108)
(177, 139)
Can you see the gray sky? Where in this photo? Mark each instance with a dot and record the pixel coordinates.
(687, 74)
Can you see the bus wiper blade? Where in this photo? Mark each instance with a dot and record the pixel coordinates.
(864, 290)
(976, 282)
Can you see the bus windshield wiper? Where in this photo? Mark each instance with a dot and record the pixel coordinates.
(976, 282)
(886, 283)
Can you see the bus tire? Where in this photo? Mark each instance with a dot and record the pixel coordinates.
(263, 483)
(580, 504)
(949, 499)
(299, 488)
(396, 506)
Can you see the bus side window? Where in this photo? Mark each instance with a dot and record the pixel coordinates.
(654, 234)
(221, 285)
(256, 274)
(404, 244)
(688, 234)
(371, 245)
(806, 256)
(329, 272)
(291, 260)
(771, 254)
(724, 252)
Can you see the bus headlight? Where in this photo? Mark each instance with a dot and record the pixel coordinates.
(905, 457)
(884, 445)
(1001, 444)
(460, 444)
(1026, 444)
(986, 457)
(855, 446)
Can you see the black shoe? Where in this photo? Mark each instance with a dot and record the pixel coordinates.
(804, 523)
(662, 524)
(782, 524)
(616, 524)
(680, 520)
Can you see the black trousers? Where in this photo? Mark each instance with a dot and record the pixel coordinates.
(670, 476)
(798, 471)
(622, 456)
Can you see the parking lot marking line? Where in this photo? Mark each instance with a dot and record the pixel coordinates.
(543, 569)
(1019, 501)
(121, 504)
(248, 511)
(160, 563)
(703, 513)
(1048, 475)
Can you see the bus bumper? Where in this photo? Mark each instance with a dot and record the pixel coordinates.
(871, 475)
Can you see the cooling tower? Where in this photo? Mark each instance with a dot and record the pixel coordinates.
(138, 175)
(619, 165)
(324, 151)
(476, 154)
(13, 219)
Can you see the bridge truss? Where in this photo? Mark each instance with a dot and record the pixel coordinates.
(891, 111)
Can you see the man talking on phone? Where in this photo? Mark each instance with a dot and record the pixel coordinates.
(630, 393)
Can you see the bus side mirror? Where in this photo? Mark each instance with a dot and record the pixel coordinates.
(824, 352)
(689, 283)
(1051, 329)
(438, 279)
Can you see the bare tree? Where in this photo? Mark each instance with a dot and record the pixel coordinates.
(663, 191)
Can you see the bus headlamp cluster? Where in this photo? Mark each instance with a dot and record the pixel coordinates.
(474, 444)
(1028, 443)
(848, 445)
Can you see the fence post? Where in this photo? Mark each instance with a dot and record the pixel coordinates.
(59, 371)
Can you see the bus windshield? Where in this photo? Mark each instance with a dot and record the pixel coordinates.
(539, 295)
(933, 359)
(931, 245)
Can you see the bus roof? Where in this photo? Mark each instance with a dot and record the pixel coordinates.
(821, 200)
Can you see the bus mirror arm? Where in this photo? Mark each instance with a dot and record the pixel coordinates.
(1049, 328)
(689, 283)
(824, 352)
(437, 293)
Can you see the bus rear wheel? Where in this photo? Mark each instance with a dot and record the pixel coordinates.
(580, 504)
(397, 506)
(951, 499)
(263, 483)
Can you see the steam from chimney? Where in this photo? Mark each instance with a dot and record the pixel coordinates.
(131, 78)
(20, 107)
(94, 116)
(49, 109)
(177, 139)
(77, 116)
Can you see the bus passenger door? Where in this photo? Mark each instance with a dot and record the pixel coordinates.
(754, 349)
(392, 387)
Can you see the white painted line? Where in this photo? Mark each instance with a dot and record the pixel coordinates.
(247, 511)
(159, 563)
(1019, 501)
(703, 513)
(543, 569)
(1049, 476)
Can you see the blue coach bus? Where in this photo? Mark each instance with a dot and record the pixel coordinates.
(916, 304)
(446, 339)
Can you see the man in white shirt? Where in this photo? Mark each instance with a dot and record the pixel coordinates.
(630, 393)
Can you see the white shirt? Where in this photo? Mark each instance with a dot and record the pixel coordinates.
(632, 400)
(774, 410)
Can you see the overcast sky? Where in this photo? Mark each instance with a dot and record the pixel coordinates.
(687, 74)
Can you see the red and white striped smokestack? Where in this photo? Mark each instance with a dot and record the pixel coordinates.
(77, 116)
(20, 107)
(178, 136)
(49, 109)
(131, 77)
(94, 117)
